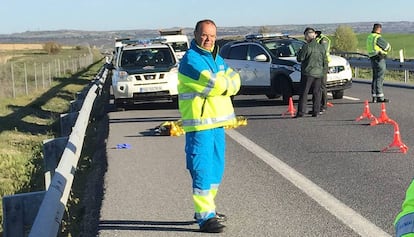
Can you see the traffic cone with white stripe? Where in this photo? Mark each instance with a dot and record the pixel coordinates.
(291, 108)
(329, 104)
(366, 113)
(397, 139)
(383, 118)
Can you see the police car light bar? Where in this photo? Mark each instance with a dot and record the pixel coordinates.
(158, 40)
(265, 35)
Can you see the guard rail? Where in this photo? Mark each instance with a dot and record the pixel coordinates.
(44, 210)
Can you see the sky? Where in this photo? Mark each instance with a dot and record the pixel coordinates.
(103, 15)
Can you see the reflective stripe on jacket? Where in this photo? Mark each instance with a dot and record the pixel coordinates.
(205, 84)
(326, 42)
(377, 45)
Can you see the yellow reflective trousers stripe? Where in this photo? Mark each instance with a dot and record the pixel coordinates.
(204, 204)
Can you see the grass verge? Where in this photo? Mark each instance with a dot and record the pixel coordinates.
(28, 120)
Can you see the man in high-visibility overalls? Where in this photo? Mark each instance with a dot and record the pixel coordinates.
(404, 222)
(205, 86)
(378, 49)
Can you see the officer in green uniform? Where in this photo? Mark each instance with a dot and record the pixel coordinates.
(377, 49)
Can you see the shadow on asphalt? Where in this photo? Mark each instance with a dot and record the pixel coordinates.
(147, 225)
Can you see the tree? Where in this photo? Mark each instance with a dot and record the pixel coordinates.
(345, 39)
(264, 30)
(52, 47)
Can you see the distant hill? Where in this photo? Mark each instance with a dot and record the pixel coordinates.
(105, 39)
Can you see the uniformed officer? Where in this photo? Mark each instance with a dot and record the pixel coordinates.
(378, 49)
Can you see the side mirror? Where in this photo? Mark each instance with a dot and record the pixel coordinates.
(260, 58)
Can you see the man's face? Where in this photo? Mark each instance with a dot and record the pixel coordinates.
(206, 36)
(309, 36)
(379, 30)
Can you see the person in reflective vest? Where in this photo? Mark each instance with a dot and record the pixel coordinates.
(378, 49)
(205, 87)
(326, 42)
(404, 222)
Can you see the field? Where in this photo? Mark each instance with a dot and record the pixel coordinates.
(397, 41)
(28, 119)
(24, 70)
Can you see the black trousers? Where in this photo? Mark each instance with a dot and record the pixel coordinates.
(324, 98)
(306, 83)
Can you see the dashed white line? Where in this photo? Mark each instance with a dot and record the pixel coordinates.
(348, 216)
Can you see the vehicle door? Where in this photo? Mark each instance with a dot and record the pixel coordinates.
(241, 58)
(258, 66)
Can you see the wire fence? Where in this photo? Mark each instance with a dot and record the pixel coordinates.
(24, 78)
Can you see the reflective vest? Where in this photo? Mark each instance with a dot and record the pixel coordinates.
(404, 222)
(373, 47)
(323, 39)
(205, 84)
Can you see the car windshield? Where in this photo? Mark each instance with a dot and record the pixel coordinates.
(179, 46)
(284, 48)
(147, 58)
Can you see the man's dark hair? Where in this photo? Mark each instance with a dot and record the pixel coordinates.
(308, 30)
(197, 27)
(375, 27)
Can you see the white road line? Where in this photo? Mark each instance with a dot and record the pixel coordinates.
(345, 97)
(351, 98)
(351, 218)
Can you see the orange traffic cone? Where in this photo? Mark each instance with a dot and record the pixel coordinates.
(329, 104)
(291, 108)
(366, 113)
(397, 139)
(383, 118)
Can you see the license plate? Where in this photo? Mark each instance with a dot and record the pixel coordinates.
(150, 89)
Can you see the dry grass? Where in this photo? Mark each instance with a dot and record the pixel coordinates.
(14, 47)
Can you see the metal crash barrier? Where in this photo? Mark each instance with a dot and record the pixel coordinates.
(359, 60)
(20, 210)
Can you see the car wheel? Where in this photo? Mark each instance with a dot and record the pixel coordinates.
(270, 96)
(119, 105)
(338, 94)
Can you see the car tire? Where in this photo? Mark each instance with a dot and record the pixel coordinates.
(338, 94)
(119, 105)
(270, 96)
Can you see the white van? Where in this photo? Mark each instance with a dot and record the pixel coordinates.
(178, 41)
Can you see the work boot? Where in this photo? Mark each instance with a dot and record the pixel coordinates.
(220, 217)
(212, 225)
(382, 100)
(299, 115)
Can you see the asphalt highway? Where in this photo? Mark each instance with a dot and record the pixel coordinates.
(324, 176)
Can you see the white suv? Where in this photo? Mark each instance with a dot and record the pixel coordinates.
(144, 71)
(267, 66)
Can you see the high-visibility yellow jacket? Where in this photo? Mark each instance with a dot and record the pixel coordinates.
(326, 42)
(376, 45)
(404, 222)
(205, 84)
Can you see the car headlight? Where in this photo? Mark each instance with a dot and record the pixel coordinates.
(297, 67)
(123, 75)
